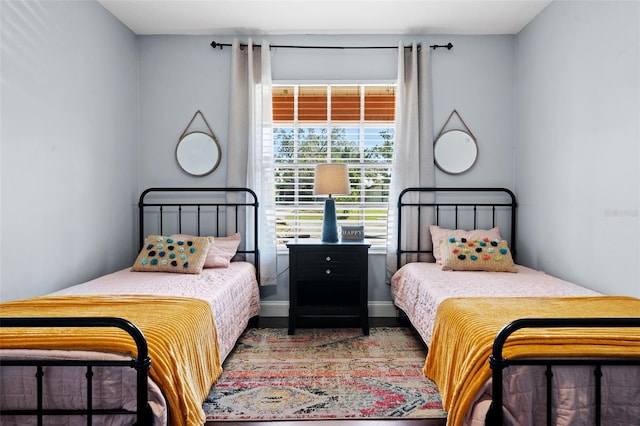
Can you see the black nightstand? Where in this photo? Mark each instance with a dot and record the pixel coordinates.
(328, 283)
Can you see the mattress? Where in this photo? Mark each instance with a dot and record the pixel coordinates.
(419, 288)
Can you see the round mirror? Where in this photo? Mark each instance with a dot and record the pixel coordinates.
(198, 153)
(455, 152)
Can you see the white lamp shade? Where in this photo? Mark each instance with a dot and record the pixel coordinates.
(331, 179)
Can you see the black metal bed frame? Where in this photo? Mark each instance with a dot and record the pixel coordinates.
(141, 363)
(203, 209)
(497, 362)
(506, 201)
(221, 217)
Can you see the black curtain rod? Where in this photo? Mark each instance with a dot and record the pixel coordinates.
(435, 46)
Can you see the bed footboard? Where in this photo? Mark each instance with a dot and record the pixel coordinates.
(141, 364)
(498, 363)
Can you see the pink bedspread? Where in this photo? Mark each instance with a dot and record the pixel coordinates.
(231, 292)
(419, 288)
(525, 404)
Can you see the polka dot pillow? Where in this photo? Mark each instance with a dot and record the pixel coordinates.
(438, 234)
(167, 254)
(484, 254)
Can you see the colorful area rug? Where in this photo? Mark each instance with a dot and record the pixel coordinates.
(324, 374)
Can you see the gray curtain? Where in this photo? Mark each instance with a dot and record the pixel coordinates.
(413, 164)
(250, 147)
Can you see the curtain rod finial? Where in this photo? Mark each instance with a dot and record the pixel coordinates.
(448, 46)
(214, 45)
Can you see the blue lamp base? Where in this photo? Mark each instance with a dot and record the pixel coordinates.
(329, 222)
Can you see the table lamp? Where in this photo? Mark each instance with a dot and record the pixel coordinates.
(330, 179)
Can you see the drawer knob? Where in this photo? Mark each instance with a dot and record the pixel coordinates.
(328, 272)
(328, 258)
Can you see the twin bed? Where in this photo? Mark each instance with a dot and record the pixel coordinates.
(566, 355)
(170, 331)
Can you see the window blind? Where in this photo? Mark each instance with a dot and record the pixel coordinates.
(350, 124)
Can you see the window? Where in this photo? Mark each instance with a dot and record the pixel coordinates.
(350, 124)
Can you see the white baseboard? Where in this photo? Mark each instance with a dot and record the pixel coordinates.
(382, 309)
(274, 309)
(281, 309)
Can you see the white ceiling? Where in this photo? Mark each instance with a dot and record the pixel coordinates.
(257, 17)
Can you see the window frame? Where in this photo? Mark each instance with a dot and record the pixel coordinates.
(361, 166)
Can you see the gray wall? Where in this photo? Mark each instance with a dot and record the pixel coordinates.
(69, 152)
(91, 114)
(577, 143)
(178, 76)
(181, 74)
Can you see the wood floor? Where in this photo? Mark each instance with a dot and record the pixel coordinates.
(373, 322)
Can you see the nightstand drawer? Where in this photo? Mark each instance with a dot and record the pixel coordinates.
(329, 271)
(328, 265)
(329, 256)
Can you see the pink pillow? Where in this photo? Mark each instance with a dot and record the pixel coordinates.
(221, 250)
(438, 234)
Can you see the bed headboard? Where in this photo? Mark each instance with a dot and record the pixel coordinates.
(202, 211)
(454, 208)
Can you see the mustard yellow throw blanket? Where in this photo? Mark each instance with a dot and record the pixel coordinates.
(465, 328)
(180, 332)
